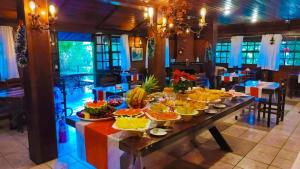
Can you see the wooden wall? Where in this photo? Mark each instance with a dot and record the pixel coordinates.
(139, 65)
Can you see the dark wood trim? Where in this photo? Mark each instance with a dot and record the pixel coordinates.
(105, 18)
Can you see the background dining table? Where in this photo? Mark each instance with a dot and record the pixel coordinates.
(268, 88)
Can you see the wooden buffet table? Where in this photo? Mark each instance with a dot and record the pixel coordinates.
(137, 147)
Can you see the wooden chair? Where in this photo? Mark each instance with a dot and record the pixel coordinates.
(134, 82)
(201, 80)
(277, 105)
(14, 82)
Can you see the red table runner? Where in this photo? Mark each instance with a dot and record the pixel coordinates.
(96, 142)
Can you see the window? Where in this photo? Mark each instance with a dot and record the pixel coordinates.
(222, 52)
(75, 57)
(250, 52)
(290, 53)
(108, 52)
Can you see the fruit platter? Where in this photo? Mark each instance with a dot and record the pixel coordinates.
(96, 111)
(162, 116)
(129, 112)
(115, 100)
(131, 124)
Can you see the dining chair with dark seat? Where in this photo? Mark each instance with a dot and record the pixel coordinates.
(14, 82)
(277, 104)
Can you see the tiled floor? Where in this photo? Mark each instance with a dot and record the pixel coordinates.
(254, 147)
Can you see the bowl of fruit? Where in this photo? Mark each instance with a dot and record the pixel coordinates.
(115, 100)
(100, 110)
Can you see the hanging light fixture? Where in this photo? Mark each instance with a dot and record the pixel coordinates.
(36, 13)
(175, 19)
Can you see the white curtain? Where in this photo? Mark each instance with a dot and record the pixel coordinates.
(125, 54)
(8, 64)
(269, 53)
(235, 58)
(167, 53)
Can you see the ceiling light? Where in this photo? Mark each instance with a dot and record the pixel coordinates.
(254, 17)
(227, 12)
(227, 8)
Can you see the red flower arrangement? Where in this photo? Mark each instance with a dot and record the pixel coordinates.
(182, 80)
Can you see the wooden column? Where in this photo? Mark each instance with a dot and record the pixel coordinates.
(41, 116)
(157, 63)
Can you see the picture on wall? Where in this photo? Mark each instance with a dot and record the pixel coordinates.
(137, 54)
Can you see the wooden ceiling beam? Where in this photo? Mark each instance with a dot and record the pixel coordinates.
(138, 26)
(105, 18)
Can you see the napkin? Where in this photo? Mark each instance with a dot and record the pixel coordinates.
(101, 95)
(254, 91)
(226, 78)
(134, 77)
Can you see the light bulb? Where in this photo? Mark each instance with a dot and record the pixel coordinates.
(32, 6)
(187, 30)
(164, 21)
(171, 25)
(150, 12)
(203, 12)
(52, 10)
(43, 13)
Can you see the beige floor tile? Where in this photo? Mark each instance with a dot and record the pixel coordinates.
(235, 130)
(288, 155)
(42, 166)
(19, 160)
(221, 165)
(253, 135)
(10, 146)
(272, 167)
(158, 157)
(4, 164)
(251, 164)
(292, 144)
(239, 146)
(237, 167)
(263, 153)
(282, 163)
(231, 158)
(274, 140)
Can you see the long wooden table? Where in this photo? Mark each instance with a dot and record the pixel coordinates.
(137, 146)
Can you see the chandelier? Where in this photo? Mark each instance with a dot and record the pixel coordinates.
(174, 19)
(37, 15)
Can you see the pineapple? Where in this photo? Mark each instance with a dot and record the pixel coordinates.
(150, 84)
(136, 97)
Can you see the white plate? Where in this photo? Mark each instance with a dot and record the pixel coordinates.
(153, 119)
(220, 106)
(195, 112)
(158, 132)
(216, 101)
(139, 129)
(211, 111)
(100, 119)
(205, 108)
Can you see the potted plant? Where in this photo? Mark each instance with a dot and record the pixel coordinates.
(182, 81)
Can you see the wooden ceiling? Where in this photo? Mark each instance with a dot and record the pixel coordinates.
(127, 15)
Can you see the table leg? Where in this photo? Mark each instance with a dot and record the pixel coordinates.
(269, 111)
(220, 139)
